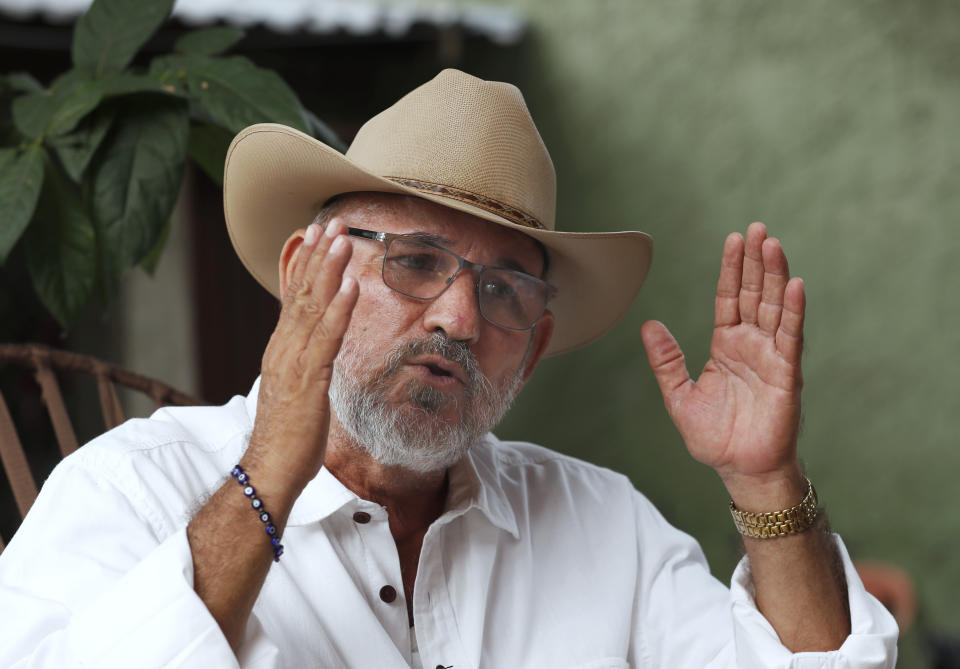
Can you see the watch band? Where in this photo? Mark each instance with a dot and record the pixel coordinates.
(770, 525)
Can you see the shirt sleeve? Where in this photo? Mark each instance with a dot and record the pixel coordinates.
(86, 582)
(686, 618)
(872, 643)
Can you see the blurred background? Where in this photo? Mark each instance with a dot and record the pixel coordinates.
(836, 124)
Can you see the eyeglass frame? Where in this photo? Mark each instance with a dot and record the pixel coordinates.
(388, 237)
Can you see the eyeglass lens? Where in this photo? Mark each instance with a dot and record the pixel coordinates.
(510, 299)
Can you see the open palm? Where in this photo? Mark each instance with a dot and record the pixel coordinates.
(742, 415)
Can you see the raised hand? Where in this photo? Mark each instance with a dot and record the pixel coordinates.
(293, 412)
(742, 415)
(289, 434)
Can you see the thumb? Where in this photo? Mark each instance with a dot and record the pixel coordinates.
(666, 360)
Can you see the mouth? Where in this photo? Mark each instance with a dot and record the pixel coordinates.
(439, 371)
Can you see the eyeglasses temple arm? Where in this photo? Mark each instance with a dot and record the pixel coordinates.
(366, 234)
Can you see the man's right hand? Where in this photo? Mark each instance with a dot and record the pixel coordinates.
(289, 438)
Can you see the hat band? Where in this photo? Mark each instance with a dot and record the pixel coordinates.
(505, 210)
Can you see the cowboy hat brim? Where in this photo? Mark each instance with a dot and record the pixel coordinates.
(277, 178)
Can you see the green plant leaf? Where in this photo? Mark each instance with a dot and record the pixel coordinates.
(110, 33)
(77, 148)
(136, 177)
(233, 91)
(61, 248)
(71, 105)
(21, 179)
(86, 96)
(72, 97)
(208, 148)
(208, 42)
(169, 69)
(152, 259)
(20, 82)
(32, 113)
(69, 80)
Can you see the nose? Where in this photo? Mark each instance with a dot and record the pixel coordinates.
(456, 311)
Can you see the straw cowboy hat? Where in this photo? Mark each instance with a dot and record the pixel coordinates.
(461, 142)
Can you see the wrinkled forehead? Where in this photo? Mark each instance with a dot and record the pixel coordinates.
(457, 230)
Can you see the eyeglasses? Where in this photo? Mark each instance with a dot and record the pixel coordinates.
(419, 269)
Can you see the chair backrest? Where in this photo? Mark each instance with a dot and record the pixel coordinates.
(46, 363)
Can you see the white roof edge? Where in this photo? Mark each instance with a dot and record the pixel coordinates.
(502, 25)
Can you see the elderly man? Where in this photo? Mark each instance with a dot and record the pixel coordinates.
(415, 305)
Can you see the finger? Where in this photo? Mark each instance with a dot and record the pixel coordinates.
(776, 273)
(789, 338)
(666, 360)
(726, 309)
(309, 243)
(751, 285)
(316, 258)
(330, 277)
(302, 308)
(289, 335)
(328, 335)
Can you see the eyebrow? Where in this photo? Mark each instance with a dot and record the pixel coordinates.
(505, 262)
(510, 263)
(430, 238)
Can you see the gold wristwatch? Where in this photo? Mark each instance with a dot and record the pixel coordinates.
(775, 524)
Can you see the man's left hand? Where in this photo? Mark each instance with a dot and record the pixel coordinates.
(742, 415)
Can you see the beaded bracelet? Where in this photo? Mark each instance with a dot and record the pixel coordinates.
(257, 505)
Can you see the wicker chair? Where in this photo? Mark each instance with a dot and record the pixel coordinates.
(46, 363)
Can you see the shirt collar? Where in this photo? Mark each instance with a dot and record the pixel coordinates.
(474, 483)
(252, 401)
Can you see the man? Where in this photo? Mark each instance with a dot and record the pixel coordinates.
(415, 306)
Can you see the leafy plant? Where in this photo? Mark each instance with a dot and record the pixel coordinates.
(90, 165)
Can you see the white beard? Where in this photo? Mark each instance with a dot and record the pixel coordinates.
(414, 435)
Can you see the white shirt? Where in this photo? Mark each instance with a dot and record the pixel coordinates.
(539, 560)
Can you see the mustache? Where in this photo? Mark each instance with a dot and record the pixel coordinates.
(439, 343)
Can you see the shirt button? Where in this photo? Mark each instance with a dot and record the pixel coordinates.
(388, 593)
(361, 517)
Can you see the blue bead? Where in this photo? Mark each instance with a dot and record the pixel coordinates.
(249, 491)
(271, 529)
(256, 503)
(242, 477)
(264, 517)
(236, 471)
(274, 541)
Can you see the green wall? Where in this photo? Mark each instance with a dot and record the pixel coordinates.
(836, 124)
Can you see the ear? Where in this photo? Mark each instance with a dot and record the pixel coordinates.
(541, 338)
(288, 258)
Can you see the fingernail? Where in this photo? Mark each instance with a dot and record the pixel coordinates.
(311, 235)
(347, 284)
(338, 244)
(333, 228)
